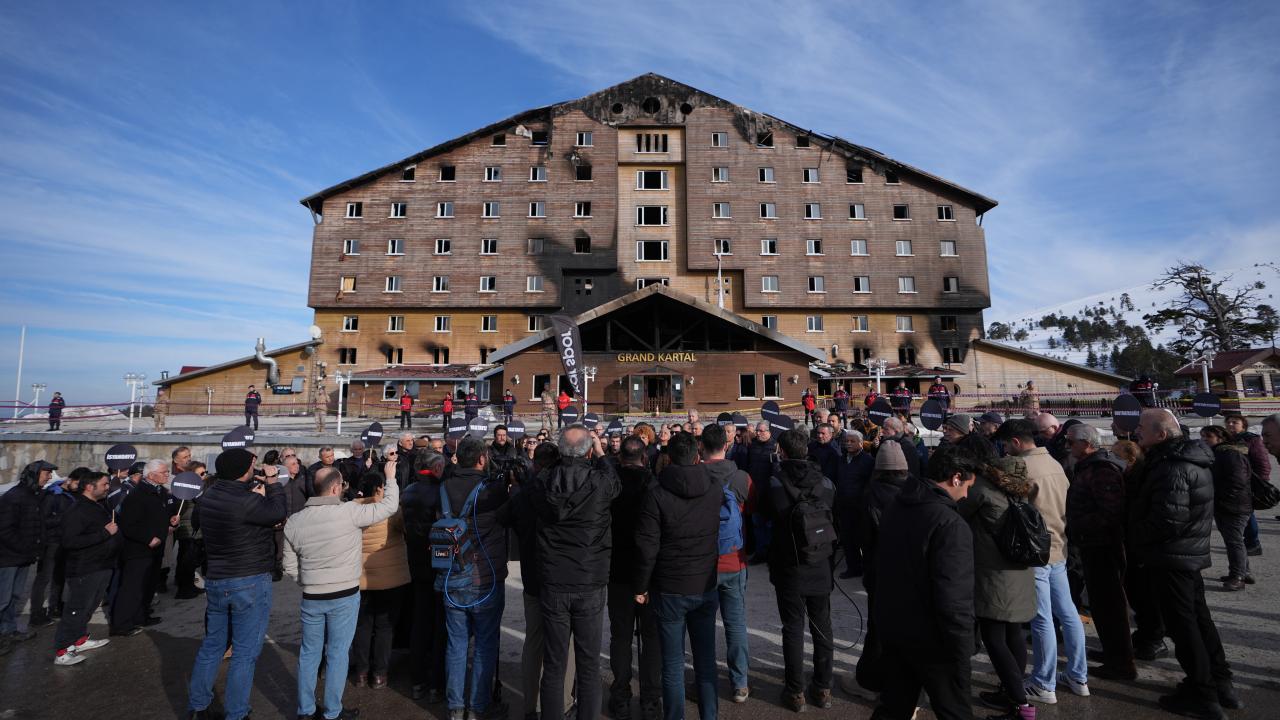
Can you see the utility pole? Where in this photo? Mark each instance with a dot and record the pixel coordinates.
(17, 388)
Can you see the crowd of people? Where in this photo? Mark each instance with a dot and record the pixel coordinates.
(1007, 527)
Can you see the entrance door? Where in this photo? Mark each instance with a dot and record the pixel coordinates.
(657, 393)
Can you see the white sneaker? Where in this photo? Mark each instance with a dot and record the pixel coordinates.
(1042, 696)
(67, 658)
(1077, 688)
(91, 644)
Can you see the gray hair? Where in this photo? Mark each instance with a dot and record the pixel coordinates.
(1087, 433)
(1273, 419)
(434, 462)
(577, 444)
(893, 426)
(153, 465)
(853, 435)
(357, 446)
(405, 435)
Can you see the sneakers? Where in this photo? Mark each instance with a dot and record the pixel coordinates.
(39, 621)
(1254, 551)
(1151, 652)
(89, 644)
(457, 714)
(740, 695)
(493, 712)
(821, 698)
(68, 658)
(1077, 688)
(793, 702)
(1180, 704)
(1042, 696)
(1248, 579)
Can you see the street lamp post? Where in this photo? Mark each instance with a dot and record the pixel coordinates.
(878, 365)
(588, 375)
(1205, 362)
(208, 390)
(344, 381)
(134, 381)
(36, 388)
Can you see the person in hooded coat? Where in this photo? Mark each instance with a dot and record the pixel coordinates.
(887, 480)
(1232, 501)
(22, 537)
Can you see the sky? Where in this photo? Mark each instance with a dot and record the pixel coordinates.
(152, 154)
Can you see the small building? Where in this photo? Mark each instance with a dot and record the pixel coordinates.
(220, 389)
(1254, 372)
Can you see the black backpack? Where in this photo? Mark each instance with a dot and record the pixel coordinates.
(813, 532)
(1022, 536)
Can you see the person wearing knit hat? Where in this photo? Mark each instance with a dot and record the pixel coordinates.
(890, 457)
(956, 427)
(232, 464)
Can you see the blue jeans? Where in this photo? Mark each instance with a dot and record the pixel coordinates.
(732, 589)
(484, 621)
(1251, 539)
(13, 593)
(239, 606)
(338, 618)
(1053, 601)
(675, 613)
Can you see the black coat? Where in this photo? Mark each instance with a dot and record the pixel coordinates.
(1095, 501)
(912, 454)
(89, 546)
(852, 474)
(524, 522)
(827, 457)
(634, 482)
(794, 479)
(144, 515)
(677, 533)
(21, 526)
(238, 527)
(1232, 485)
(575, 538)
(761, 459)
(924, 561)
(1171, 512)
(420, 506)
(490, 518)
(54, 505)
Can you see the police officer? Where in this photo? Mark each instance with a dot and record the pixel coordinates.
(471, 405)
(938, 391)
(56, 403)
(446, 410)
(508, 407)
(251, 402)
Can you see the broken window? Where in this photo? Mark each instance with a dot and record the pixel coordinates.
(651, 143)
(582, 245)
(540, 137)
(651, 250)
(499, 140)
(853, 174)
(440, 356)
(406, 175)
(355, 209)
(945, 213)
(906, 356)
(891, 178)
(764, 139)
(950, 284)
(642, 283)
(949, 323)
(722, 246)
(493, 174)
(901, 212)
(448, 173)
(951, 355)
(651, 215)
(802, 141)
(582, 172)
(651, 180)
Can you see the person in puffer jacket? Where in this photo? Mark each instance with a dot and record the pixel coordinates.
(385, 574)
(1232, 501)
(22, 535)
(1170, 519)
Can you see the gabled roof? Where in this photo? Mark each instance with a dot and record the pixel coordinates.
(1073, 367)
(187, 373)
(600, 311)
(1229, 361)
(598, 106)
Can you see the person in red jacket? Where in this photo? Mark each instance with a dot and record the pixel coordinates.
(810, 404)
(562, 402)
(406, 409)
(446, 408)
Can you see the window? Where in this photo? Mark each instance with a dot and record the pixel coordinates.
(747, 386)
(444, 210)
(540, 137)
(538, 173)
(906, 356)
(537, 323)
(582, 139)
(950, 284)
(951, 355)
(642, 283)
(535, 246)
(393, 284)
(355, 209)
(719, 139)
(948, 248)
(582, 245)
(582, 209)
(395, 356)
(802, 141)
(651, 250)
(493, 173)
(533, 283)
(492, 209)
(766, 175)
(395, 246)
(395, 323)
(651, 180)
(489, 246)
(764, 139)
(346, 356)
(810, 175)
(891, 178)
(399, 209)
(583, 286)
(389, 391)
(722, 246)
(444, 323)
(948, 323)
(862, 283)
(773, 385)
(499, 140)
(817, 284)
(857, 212)
(651, 214)
(406, 174)
(488, 323)
(537, 209)
(444, 246)
(769, 321)
(440, 283)
(901, 212)
(768, 211)
(719, 174)
(858, 247)
(721, 210)
(769, 246)
(812, 211)
(813, 323)
(906, 284)
(862, 355)
(905, 325)
(448, 173)
(440, 356)
(582, 172)
(769, 283)
(347, 283)
(350, 247)
(945, 213)
(853, 174)
(651, 143)
(903, 248)
(488, 283)
(860, 324)
(350, 323)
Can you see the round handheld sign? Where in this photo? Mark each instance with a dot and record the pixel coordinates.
(591, 420)
(1206, 405)
(615, 428)
(880, 411)
(570, 415)
(120, 457)
(1126, 412)
(186, 486)
(364, 439)
(932, 414)
(457, 428)
(783, 423)
(740, 421)
(373, 435)
(515, 429)
(724, 418)
(241, 437)
(478, 426)
(769, 411)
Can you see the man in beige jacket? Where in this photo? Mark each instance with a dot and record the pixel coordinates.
(323, 552)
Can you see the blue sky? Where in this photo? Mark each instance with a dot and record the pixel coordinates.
(152, 154)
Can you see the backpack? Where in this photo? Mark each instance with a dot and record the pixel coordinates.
(1022, 537)
(729, 539)
(813, 533)
(451, 539)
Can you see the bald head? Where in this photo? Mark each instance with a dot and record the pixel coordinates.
(1046, 425)
(892, 426)
(1156, 426)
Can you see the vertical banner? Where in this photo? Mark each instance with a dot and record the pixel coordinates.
(569, 345)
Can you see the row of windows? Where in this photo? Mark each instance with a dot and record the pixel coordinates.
(815, 246)
(490, 209)
(646, 251)
(441, 284)
(645, 179)
(443, 324)
(817, 284)
(813, 211)
(488, 246)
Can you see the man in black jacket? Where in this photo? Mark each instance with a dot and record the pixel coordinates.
(801, 575)
(762, 457)
(237, 516)
(896, 431)
(91, 540)
(1169, 525)
(251, 402)
(146, 520)
(21, 541)
(574, 544)
(924, 608)
(56, 499)
(420, 504)
(677, 543)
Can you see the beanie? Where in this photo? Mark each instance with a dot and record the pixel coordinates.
(961, 421)
(233, 464)
(890, 457)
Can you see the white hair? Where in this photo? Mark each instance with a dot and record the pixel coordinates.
(853, 435)
(1087, 433)
(406, 436)
(576, 449)
(153, 465)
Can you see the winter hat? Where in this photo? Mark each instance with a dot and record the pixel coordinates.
(232, 464)
(991, 417)
(421, 443)
(960, 421)
(890, 457)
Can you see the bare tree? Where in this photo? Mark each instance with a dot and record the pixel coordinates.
(1209, 313)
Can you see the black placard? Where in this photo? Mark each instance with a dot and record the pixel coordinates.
(515, 429)
(1126, 412)
(590, 420)
(186, 486)
(1206, 405)
(478, 426)
(374, 433)
(769, 411)
(615, 428)
(740, 421)
(880, 411)
(932, 414)
(782, 423)
(120, 457)
(570, 415)
(457, 428)
(724, 418)
(241, 437)
(364, 439)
